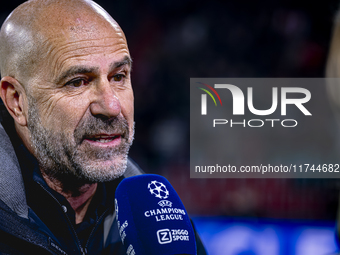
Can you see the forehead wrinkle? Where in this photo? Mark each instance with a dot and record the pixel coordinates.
(80, 48)
(79, 45)
(56, 39)
(60, 60)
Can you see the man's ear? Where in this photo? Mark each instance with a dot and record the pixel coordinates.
(12, 94)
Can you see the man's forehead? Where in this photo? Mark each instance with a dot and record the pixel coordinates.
(87, 30)
(51, 16)
(77, 23)
(51, 24)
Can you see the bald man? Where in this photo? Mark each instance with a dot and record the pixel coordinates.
(65, 68)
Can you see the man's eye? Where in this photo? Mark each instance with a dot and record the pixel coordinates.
(118, 77)
(77, 83)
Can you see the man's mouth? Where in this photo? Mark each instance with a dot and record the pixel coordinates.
(104, 139)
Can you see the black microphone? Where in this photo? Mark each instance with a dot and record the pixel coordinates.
(151, 217)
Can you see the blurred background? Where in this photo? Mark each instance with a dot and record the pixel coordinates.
(171, 41)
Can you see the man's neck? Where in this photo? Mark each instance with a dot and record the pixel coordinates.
(79, 199)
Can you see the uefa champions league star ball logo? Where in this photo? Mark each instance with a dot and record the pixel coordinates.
(158, 189)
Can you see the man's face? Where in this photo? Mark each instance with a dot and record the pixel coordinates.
(80, 106)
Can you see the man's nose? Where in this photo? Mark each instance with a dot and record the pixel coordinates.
(105, 102)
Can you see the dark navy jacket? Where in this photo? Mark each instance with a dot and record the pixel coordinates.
(37, 220)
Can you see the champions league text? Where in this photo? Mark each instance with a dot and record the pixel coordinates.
(165, 214)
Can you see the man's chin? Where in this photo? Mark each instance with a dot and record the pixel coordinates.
(102, 170)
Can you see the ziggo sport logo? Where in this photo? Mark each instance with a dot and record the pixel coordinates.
(238, 105)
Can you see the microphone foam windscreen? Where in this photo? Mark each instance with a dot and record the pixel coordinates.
(151, 217)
